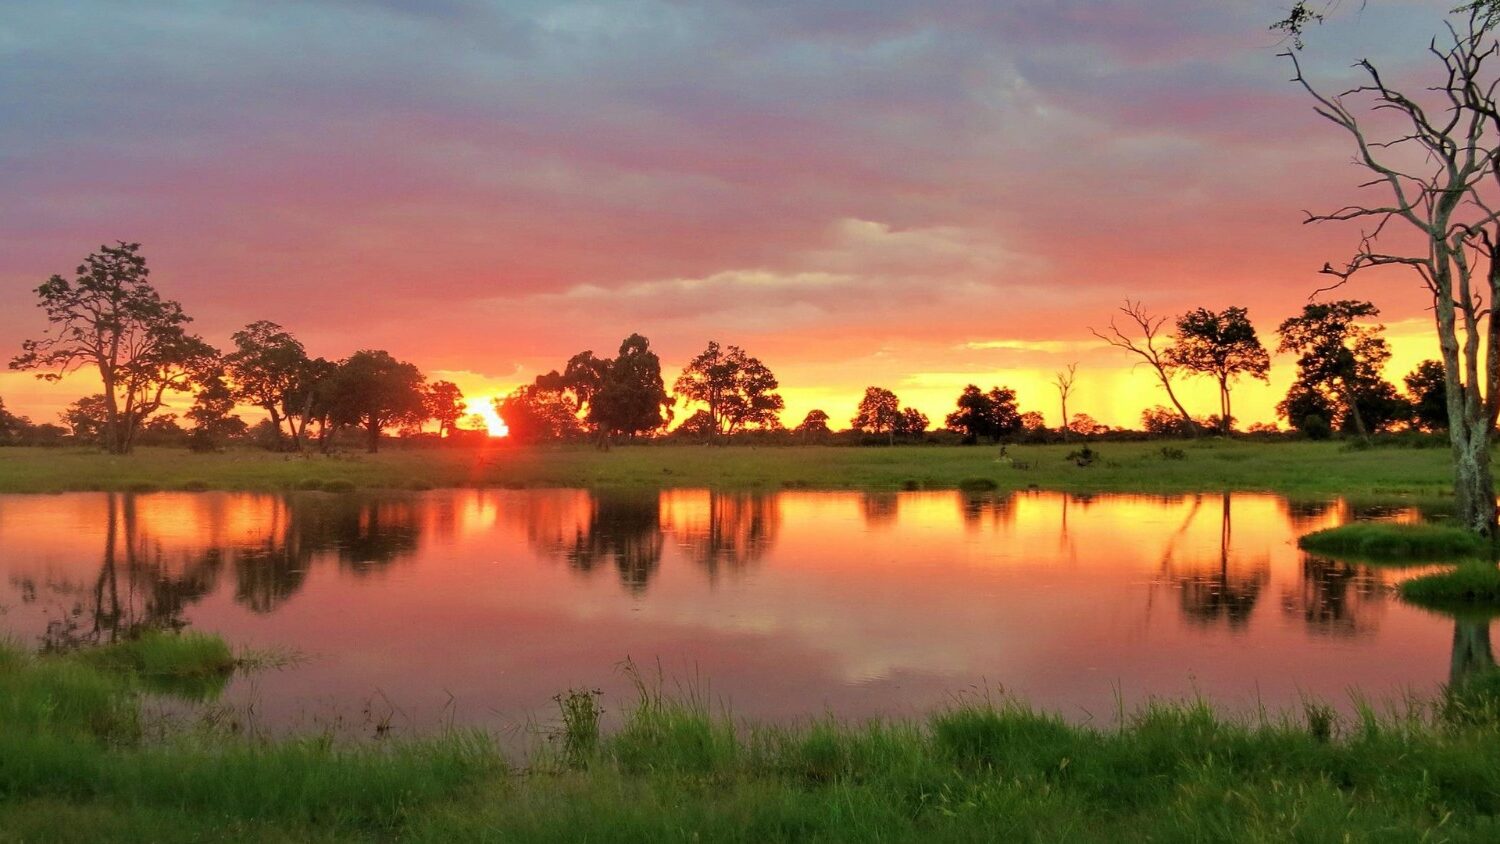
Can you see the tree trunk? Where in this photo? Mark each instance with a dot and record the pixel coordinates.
(1473, 481)
(374, 441)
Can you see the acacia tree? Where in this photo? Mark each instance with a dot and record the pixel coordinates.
(736, 389)
(979, 414)
(1145, 348)
(1439, 176)
(266, 368)
(110, 318)
(1221, 345)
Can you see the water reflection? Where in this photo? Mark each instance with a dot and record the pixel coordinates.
(791, 602)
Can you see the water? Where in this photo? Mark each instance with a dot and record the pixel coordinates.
(476, 607)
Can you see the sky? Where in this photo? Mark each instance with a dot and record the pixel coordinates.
(858, 192)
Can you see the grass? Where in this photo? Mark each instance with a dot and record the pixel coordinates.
(1387, 541)
(74, 766)
(1474, 584)
(1291, 468)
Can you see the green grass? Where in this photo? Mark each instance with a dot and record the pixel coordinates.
(76, 765)
(1292, 468)
(1387, 541)
(1469, 585)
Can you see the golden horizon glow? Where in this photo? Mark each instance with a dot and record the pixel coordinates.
(484, 408)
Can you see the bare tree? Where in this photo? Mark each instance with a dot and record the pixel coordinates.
(1145, 348)
(1438, 174)
(1064, 384)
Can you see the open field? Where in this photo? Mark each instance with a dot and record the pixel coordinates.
(80, 762)
(1292, 468)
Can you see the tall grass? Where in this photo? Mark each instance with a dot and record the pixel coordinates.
(674, 770)
(1468, 585)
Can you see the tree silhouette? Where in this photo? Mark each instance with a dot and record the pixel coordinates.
(1220, 345)
(879, 413)
(1339, 365)
(266, 368)
(212, 415)
(630, 398)
(979, 414)
(111, 319)
(1064, 382)
(1425, 388)
(375, 391)
(814, 426)
(737, 390)
(540, 412)
(1145, 349)
(444, 402)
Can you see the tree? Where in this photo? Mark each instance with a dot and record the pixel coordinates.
(1221, 345)
(993, 414)
(86, 419)
(375, 391)
(212, 415)
(737, 390)
(1064, 383)
(630, 398)
(12, 427)
(1448, 206)
(911, 423)
(1341, 361)
(814, 426)
(538, 412)
(1085, 425)
(111, 319)
(444, 402)
(1424, 388)
(267, 368)
(1162, 421)
(1146, 350)
(879, 412)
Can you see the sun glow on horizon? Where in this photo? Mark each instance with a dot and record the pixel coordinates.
(484, 408)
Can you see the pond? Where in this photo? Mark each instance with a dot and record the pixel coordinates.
(477, 606)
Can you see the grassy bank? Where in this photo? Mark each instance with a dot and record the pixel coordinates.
(74, 766)
(1293, 468)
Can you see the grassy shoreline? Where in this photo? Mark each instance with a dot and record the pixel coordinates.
(76, 765)
(1302, 469)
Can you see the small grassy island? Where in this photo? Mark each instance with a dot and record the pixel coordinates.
(1384, 541)
(81, 761)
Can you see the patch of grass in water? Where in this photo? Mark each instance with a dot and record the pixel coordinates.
(190, 665)
(1468, 585)
(978, 485)
(1395, 542)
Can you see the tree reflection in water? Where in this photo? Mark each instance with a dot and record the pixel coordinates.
(1215, 589)
(1335, 598)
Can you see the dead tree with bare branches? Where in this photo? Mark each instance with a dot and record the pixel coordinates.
(1146, 349)
(1064, 384)
(1438, 179)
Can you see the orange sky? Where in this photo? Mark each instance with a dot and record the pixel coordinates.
(915, 197)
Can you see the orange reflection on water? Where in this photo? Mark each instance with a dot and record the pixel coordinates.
(862, 602)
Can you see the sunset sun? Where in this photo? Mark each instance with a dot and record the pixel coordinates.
(484, 408)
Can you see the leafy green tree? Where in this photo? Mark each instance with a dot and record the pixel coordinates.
(1341, 360)
(374, 391)
(266, 368)
(1220, 345)
(445, 404)
(879, 412)
(736, 389)
(111, 319)
(630, 398)
(1429, 401)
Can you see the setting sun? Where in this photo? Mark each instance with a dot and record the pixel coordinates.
(484, 408)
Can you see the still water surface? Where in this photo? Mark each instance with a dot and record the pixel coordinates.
(478, 606)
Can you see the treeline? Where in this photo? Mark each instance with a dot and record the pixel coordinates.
(111, 320)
